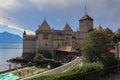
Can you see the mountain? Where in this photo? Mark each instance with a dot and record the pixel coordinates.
(9, 38)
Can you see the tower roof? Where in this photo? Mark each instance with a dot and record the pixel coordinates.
(117, 32)
(86, 17)
(99, 28)
(67, 27)
(44, 26)
(24, 33)
(69, 49)
(109, 30)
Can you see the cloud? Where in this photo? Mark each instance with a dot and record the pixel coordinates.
(7, 8)
(9, 4)
(25, 12)
(8, 24)
(58, 19)
(106, 8)
(42, 4)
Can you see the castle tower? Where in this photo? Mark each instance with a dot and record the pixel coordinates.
(85, 23)
(67, 33)
(29, 46)
(99, 28)
(44, 38)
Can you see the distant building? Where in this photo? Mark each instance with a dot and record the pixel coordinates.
(48, 41)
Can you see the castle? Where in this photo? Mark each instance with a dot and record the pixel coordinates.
(48, 41)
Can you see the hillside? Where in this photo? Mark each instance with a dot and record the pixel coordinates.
(9, 38)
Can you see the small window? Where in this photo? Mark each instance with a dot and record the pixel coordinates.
(45, 45)
(58, 44)
(65, 42)
(45, 36)
(67, 38)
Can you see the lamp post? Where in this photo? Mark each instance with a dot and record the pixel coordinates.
(116, 40)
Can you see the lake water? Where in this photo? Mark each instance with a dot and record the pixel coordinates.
(8, 51)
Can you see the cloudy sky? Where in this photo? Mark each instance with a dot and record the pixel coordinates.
(19, 15)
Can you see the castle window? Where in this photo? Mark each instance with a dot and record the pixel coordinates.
(45, 36)
(45, 45)
(65, 42)
(67, 38)
(58, 44)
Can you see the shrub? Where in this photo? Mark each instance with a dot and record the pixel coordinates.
(110, 64)
(41, 60)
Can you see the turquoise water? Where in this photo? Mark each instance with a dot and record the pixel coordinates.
(8, 51)
(8, 76)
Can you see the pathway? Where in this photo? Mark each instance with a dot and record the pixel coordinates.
(62, 68)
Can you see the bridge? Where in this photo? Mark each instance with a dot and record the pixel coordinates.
(60, 69)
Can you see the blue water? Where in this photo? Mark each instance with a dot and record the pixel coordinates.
(8, 51)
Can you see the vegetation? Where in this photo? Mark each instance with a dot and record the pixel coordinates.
(18, 60)
(42, 61)
(28, 70)
(75, 71)
(96, 48)
(110, 35)
(24, 71)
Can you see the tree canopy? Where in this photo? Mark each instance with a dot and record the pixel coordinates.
(95, 47)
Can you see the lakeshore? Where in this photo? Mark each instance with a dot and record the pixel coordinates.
(9, 51)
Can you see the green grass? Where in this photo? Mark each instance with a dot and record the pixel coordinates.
(21, 58)
(28, 70)
(73, 71)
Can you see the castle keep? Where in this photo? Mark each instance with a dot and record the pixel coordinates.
(48, 41)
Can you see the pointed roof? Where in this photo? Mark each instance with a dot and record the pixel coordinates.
(86, 17)
(109, 30)
(44, 26)
(24, 33)
(99, 28)
(67, 27)
(117, 32)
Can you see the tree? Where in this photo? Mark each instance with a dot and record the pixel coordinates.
(95, 47)
(110, 36)
(38, 58)
(108, 32)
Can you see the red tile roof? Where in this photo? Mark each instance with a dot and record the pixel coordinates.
(67, 49)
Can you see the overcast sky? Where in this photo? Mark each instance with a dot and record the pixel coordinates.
(19, 15)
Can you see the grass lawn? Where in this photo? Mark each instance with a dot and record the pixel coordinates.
(27, 71)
